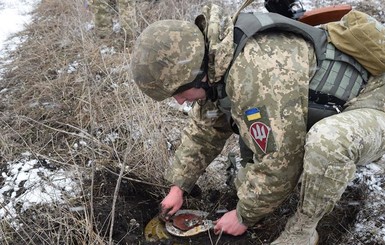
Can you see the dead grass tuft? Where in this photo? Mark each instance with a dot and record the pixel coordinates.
(70, 99)
(68, 87)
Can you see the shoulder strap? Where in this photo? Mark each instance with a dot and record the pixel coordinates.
(248, 24)
(251, 23)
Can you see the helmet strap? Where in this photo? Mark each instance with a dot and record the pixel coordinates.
(197, 82)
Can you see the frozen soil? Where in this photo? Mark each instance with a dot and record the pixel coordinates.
(136, 207)
(358, 218)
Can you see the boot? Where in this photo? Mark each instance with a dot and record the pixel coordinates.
(299, 230)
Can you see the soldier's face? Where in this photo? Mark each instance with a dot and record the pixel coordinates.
(190, 95)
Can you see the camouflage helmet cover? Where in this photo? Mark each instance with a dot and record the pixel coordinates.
(167, 55)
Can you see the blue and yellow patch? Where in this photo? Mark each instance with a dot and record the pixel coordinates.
(253, 114)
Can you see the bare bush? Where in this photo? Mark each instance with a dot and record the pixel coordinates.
(70, 99)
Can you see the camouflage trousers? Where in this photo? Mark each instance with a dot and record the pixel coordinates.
(334, 147)
(104, 11)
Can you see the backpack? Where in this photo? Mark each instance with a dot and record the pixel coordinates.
(362, 37)
(339, 77)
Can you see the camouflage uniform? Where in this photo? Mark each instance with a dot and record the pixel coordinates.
(268, 89)
(282, 63)
(334, 146)
(104, 11)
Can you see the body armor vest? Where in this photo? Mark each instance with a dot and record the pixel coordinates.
(339, 77)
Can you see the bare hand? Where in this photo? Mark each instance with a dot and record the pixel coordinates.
(229, 224)
(171, 203)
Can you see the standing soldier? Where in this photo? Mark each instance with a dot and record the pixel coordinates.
(104, 11)
(127, 17)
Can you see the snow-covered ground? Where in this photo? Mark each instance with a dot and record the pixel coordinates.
(370, 225)
(14, 15)
(28, 181)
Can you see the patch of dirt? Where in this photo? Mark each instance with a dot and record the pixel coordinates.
(136, 206)
(133, 209)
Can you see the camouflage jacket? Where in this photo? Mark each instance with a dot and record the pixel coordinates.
(268, 88)
(372, 96)
(208, 130)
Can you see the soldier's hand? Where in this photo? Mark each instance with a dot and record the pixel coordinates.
(229, 224)
(171, 203)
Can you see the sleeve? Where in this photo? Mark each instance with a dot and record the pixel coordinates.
(202, 140)
(268, 88)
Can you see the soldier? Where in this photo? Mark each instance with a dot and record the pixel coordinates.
(266, 100)
(104, 11)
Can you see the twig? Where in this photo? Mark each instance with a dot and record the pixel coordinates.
(92, 198)
(117, 187)
(83, 135)
(219, 237)
(136, 180)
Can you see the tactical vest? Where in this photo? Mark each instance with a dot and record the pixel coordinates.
(339, 77)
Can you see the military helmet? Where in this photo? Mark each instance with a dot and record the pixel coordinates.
(168, 56)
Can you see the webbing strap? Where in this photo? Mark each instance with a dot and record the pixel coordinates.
(244, 5)
(339, 75)
(332, 53)
(248, 24)
(251, 23)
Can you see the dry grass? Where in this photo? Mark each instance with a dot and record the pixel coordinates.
(70, 99)
(51, 108)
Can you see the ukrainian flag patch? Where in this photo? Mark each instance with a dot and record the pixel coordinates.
(253, 114)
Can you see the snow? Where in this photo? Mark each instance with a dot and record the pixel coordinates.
(370, 226)
(14, 15)
(27, 182)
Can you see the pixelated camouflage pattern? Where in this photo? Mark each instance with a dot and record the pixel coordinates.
(127, 13)
(104, 11)
(372, 96)
(102, 16)
(279, 63)
(272, 74)
(202, 140)
(208, 130)
(167, 55)
(218, 30)
(334, 146)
